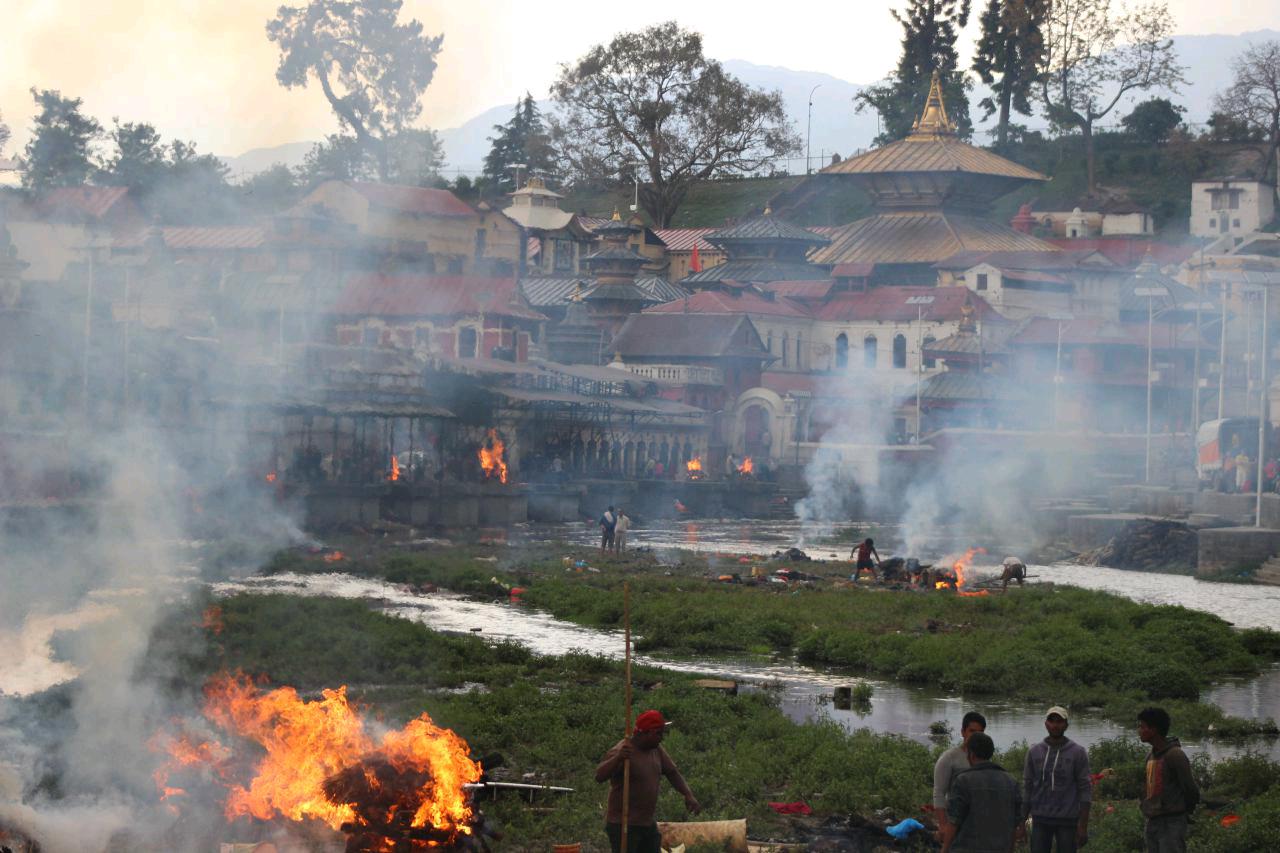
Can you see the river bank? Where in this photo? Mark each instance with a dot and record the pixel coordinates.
(1040, 644)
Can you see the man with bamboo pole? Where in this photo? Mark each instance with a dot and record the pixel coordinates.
(642, 754)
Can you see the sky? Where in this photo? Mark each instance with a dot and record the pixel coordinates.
(203, 70)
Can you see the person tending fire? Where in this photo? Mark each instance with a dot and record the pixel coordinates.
(648, 763)
(865, 552)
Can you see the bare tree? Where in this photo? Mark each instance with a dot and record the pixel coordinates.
(1253, 98)
(652, 97)
(1093, 57)
(371, 68)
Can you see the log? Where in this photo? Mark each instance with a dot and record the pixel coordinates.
(730, 833)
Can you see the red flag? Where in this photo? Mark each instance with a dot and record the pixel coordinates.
(695, 262)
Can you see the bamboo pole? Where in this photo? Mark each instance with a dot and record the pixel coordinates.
(626, 764)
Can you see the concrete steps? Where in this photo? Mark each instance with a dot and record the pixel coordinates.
(1269, 572)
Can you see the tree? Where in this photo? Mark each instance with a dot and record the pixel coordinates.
(522, 140)
(271, 190)
(1253, 98)
(1007, 58)
(929, 32)
(372, 69)
(413, 157)
(1226, 128)
(58, 153)
(4, 134)
(137, 160)
(1092, 58)
(1153, 120)
(651, 97)
(194, 189)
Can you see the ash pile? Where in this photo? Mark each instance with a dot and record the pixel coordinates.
(1149, 544)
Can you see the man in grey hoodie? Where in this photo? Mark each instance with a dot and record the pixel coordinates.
(1058, 789)
(952, 763)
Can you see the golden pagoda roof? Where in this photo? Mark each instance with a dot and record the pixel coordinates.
(932, 146)
(921, 237)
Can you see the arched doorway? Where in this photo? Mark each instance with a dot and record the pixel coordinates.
(757, 437)
(842, 351)
(869, 352)
(899, 351)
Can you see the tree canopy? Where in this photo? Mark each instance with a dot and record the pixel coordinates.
(372, 69)
(4, 134)
(1007, 58)
(1153, 120)
(523, 139)
(652, 102)
(59, 153)
(413, 157)
(1094, 57)
(929, 32)
(1252, 101)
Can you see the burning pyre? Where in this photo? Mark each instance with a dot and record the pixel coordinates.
(491, 458)
(955, 579)
(315, 760)
(394, 474)
(694, 468)
(746, 468)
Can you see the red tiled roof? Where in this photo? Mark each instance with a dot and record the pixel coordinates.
(857, 269)
(808, 289)
(533, 247)
(736, 301)
(419, 200)
(1094, 331)
(235, 237)
(1129, 251)
(91, 201)
(891, 304)
(684, 239)
(372, 294)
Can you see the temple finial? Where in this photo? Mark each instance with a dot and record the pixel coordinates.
(934, 118)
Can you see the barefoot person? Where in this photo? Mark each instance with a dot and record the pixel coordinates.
(649, 763)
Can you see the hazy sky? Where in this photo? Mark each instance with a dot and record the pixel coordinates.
(204, 70)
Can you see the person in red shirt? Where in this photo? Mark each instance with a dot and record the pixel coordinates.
(649, 763)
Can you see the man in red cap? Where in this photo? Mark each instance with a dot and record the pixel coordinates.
(649, 763)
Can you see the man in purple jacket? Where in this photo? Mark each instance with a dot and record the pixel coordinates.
(1058, 789)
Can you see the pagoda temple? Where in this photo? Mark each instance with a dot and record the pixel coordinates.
(760, 250)
(931, 193)
(615, 266)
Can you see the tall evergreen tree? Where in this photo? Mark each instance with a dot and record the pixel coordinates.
(58, 153)
(4, 135)
(929, 32)
(522, 140)
(137, 158)
(1008, 57)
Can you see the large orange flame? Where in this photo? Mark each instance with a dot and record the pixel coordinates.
(302, 744)
(491, 461)
(694, 465)
(963, 563)
(747, 466)
(395, 469)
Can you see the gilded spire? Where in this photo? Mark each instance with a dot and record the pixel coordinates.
(934, 118)
(968, 325)
(616, 216)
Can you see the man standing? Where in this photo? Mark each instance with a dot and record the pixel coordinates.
(952, 763)
(649, 763)
(1059, 793)
(984, 805)
(607, 522)
(620, 528)
(1170, 793)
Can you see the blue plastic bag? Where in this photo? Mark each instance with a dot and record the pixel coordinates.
(902, 830)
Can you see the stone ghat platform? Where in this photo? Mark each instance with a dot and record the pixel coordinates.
(329, 505)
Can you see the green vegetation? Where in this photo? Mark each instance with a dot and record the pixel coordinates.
(553, 716)
(1084, 648)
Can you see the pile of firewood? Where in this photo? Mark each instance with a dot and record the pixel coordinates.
(1148, 544)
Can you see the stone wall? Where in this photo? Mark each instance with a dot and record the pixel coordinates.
(1231, 549)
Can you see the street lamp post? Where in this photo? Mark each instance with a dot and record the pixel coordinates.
(1222, 354)
(808, 126)
(1151, 293)
(1263, 414)
(920, 302)
(1057, 363)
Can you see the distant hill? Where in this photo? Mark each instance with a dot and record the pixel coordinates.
(836, 126)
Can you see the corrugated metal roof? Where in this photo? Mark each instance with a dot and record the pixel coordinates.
(736, 301)
(419, 200)
(231, 237)
(921, 237)
(684, 239)
(549, 291)
(766, 229)
(932, 153)
(371, 294)
(966, 385)
(815, 289)
(689, 336)
(1093, 331)
(756, 272)
(900, 304)
(963, 344)
(91, 201)
(1051, 258)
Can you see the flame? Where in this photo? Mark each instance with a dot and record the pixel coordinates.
(746, 467)
(395, 469)
(694, 465)
(334, 557)
(963, 563)
(491, 461)
(211, 619)
(271, 476)
(308, 752)
(941, 585)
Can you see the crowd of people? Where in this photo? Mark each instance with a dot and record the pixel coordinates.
(980, 806)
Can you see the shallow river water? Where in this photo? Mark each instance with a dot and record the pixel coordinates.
(803, 693)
